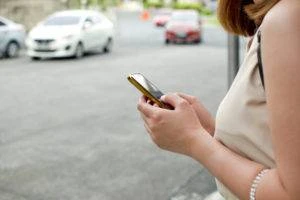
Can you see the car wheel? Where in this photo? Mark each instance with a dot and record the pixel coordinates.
(198, 41)
(35, 58)
(12, 50)
(79, 51)
(108, 47)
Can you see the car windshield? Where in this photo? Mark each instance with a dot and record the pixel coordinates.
(5, 21)
(2, 23)
(184, 17)
(62, 21)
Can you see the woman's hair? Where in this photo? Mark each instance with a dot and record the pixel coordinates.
(242, 17)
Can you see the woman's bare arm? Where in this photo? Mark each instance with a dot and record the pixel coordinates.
(281, 44)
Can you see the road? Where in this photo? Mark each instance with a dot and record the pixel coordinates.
(70, 130)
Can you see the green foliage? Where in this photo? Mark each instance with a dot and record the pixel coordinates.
(103, 4)
(205, 11)
(153, 4)
(194, 6)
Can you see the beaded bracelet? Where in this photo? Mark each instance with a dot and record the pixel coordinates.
(256, 182)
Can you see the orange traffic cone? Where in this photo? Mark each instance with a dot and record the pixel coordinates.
(145, 16)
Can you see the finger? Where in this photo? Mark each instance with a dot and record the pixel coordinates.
(143, 99)
(149, 131)
(144, 117)
(150, 102)
(146, 122)
(141, 104)
(145, 108)
(156, 105)
(173, 99)
(187, 97)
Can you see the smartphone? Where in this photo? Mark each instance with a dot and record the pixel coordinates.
(147, 88)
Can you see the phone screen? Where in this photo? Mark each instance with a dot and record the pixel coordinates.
(148, 85)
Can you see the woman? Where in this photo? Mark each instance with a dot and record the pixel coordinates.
(253, 147)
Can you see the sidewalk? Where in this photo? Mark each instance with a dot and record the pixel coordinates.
(200, 186)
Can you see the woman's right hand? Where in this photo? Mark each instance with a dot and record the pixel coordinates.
(204, 116)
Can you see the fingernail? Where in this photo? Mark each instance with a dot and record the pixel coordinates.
(163, 97)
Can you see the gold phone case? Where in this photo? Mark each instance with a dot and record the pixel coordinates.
(144, 91)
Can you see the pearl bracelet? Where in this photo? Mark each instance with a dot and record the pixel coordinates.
(256, 182)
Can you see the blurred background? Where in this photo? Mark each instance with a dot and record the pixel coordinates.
(69, 127)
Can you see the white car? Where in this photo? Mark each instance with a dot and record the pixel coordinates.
(12, 37)
(70, 34)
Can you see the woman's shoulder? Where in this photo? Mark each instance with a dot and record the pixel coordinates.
(280, 31)
(283, 16)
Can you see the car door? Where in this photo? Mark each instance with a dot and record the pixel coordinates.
(100, 30)
(3, 35)
(88, 33)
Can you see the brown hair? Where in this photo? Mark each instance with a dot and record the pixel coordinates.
(242, 17)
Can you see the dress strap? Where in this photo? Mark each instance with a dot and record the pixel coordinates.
(260, 65)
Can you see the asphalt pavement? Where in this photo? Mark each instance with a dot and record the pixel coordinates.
(70, 129)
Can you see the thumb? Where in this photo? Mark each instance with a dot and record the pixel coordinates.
(173, 99)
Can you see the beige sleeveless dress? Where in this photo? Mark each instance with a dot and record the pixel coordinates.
(242, 118)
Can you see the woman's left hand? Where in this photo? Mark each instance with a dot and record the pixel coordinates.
(172, 130)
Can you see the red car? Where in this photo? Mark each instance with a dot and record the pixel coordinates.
(162, 18)
(184, 27)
